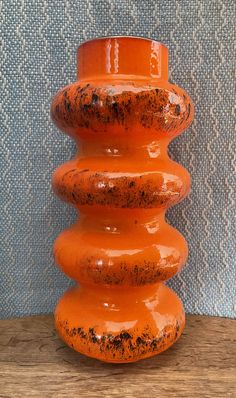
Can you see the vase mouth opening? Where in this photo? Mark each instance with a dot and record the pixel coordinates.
(121, 37)
(122, 56)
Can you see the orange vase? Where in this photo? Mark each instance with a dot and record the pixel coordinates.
(122, 113)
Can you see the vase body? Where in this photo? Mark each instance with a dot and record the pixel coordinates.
(122, 113)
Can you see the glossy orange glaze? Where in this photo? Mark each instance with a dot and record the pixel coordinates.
(123, 113)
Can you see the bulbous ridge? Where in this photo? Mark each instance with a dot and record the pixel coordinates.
(122, 113)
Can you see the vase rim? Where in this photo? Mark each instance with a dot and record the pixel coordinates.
(123, 56)
(122, 37)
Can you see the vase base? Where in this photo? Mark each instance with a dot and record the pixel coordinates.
(119, 326)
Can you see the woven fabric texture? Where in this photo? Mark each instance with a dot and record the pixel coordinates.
(39, 41)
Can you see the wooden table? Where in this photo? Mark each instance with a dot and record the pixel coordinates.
(36, 363)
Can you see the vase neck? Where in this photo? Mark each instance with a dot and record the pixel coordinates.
(122, 58)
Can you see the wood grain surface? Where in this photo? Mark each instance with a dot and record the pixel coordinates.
(36, 363)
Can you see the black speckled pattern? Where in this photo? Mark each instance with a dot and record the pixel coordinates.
(84, 187)
(94, 108)
(124, 346)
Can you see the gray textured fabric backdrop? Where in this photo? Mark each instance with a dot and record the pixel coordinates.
(39, 41)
